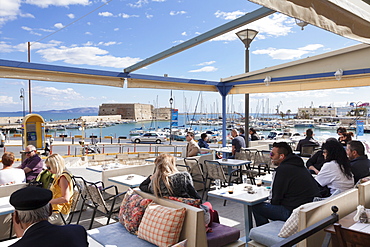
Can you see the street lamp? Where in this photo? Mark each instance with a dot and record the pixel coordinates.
(21, 97)
(171, 102)
(247, 36)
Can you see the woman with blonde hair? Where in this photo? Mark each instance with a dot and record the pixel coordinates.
(62, 187)
(168, 181)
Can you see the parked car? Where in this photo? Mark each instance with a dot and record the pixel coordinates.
(149, 137)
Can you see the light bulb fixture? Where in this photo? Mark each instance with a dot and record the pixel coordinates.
(267, 80)
(300, 23)
(338, 74)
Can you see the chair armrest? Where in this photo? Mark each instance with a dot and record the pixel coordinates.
(109, 187)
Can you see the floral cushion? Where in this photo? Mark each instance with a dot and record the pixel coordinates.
(132, 210)
(189, 201)
(162, 225)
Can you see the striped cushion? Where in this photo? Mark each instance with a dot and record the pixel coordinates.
(161, 225)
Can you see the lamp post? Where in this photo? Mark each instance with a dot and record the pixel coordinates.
(21, 97)
(171, 102)
(247, 36)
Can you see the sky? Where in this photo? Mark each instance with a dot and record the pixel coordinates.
(114, 34)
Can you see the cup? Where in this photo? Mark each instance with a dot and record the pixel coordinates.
(245, 179)
(231, 189)
(259, 182)
(218, 184)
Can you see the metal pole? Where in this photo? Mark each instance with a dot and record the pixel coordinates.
(29, 81)
(224, 120)
(246, 120)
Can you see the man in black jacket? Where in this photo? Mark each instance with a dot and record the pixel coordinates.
(360, 164)
(30, 220)
(292, 186)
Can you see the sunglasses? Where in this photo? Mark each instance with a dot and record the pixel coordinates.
(48, 167)
(272, 154)
(28, 152)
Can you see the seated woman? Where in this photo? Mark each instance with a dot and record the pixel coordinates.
(335, 174)
(168, 181)
(62, 188)
(10, 175)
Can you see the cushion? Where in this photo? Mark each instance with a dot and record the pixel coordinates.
(189, 201)
(183, 243)
(291, 224)
(132, 210)
(161, 225)
(267, 234)
(116, 235)
(222, 235)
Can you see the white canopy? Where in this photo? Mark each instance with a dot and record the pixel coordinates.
(348, 18)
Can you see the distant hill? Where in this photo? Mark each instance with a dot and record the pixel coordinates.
(94, 110)
(74, 110)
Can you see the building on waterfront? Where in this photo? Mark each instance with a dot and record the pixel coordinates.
(308, 112)
(135, 111)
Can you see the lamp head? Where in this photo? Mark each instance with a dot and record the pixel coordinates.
(247, 36)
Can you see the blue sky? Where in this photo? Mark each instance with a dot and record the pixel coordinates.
(124, 32)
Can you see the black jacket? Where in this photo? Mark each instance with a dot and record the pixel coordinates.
(317, 160)
(360, 167)
(181, 184)
(308, 141)
(293, 184)
(45, 234)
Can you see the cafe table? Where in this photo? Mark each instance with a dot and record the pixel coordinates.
(230, 163)
(241, 195)
(130, 180)
(5, 207)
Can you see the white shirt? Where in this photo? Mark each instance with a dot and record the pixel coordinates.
(12, 176)
(331, 175)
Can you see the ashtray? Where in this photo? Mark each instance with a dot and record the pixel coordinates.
(129, 177)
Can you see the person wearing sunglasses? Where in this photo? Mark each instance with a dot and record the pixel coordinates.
(292, 186)
(33, 165)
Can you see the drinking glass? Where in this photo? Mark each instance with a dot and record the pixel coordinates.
(218, 184)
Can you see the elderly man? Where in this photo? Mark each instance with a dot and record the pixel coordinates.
(192, 149)
(33, 165)
(30, 220)
(292, 186)
(237, 143)
(360, 164)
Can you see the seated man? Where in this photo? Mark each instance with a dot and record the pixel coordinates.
(192, 149)
(360, 164)
(10, 175)
(237, 143)
(292, 186)
(33, 165)
(30, 220)
(308, 141)
(202, 143)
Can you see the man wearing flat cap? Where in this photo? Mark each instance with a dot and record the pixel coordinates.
(30, 219)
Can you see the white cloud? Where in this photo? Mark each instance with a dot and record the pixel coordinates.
(158, 0)
(126, 16)
(88, 33)
(86, 55)
(5, 47)
(71, 16)
(7, 100)
(46, 30)
(105, 14)
(53, 93)
(288, 54)
(26, 15)
(148, 16)
(271, 26)
(229, 15)
(206, 63)
(58, 25)
(22, 47)
(63, 3)
(9, 10)
(138, 4)
(116, 29)
(178, 41)
(109, 43)
(177, 12)
(184, 34)
(204, 69)
(26, 28)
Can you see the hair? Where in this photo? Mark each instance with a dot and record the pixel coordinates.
(253, 130)
(309, 132)
(283, 147)
(241, 130)
(348, 135)
(356, 146)
(31, 147)
(203, 136)
(236, 131)
(164, 167)
(7, 159)
(190, 133)
(33, 216)
(341, 130)
(335, 151)
(56, 163)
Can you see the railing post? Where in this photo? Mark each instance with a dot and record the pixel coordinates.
(69, 150)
